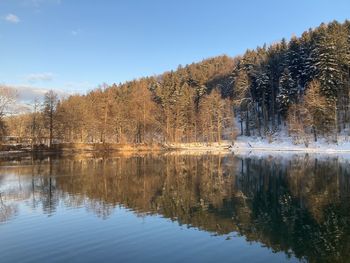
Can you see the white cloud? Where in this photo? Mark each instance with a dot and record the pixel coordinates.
(27, 94)
(11, 18)
(37, 77)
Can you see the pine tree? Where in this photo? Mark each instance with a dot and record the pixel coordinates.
(288, 92)
(276, 63)
(262, 92)
(305, 61)
(310, 55)
(294, 59)
(328, 71)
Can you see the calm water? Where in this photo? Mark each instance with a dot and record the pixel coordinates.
(175, 208)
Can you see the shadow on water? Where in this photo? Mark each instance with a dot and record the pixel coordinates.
(298, 205)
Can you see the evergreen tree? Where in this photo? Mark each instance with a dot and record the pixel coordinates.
(287, 92)
(304, 59)
(294, 59)
(328, 71)
(262, 93)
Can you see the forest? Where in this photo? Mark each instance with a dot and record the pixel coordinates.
(299, 86)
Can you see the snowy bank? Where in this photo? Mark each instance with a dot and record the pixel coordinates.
(285, 144)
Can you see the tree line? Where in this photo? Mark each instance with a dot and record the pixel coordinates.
(178, 106)
(300, 86)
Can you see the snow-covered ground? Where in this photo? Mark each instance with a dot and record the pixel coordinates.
(285, 143)
(280, 142)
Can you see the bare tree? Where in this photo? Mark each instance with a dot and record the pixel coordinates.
(50, 106)
(243, 99)
(299, 120)
(35, 123)
(7, 98)
(322, 116)
(216, 116)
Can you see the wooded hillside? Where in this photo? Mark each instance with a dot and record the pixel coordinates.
(301, 85)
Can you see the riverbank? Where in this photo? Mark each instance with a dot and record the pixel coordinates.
(241, 145)
(285, 144)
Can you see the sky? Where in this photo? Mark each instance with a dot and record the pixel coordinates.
(75, 45)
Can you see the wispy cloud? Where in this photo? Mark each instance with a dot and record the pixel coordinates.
(79, 87)
(38, 77)
(11, 18)
(29, 93)
(75, 32)
(38, 3)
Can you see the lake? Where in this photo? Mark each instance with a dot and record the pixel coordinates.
(175, 208)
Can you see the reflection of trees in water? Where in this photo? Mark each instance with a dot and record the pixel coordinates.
(36, 190)
(298, 205)
(7, 211)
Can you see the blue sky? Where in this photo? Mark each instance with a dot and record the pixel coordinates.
(75, 45)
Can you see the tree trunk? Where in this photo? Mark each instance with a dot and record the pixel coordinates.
(273, 106)
(314, 132)
(247, 130)
(51, 129)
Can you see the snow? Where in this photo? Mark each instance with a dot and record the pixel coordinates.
(286, 144)
(280, 143)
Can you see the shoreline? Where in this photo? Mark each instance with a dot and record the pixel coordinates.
(243, 145)
(286, 144)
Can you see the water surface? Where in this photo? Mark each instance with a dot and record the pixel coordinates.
(175, 208)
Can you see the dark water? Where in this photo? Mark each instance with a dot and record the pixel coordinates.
(175, 208)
